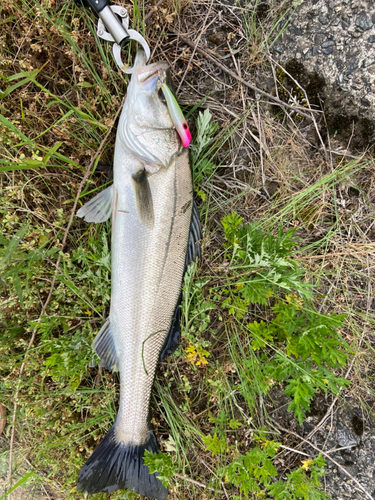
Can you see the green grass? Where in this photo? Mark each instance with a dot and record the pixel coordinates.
(274, 307)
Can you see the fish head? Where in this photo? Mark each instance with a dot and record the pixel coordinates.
(152, 125)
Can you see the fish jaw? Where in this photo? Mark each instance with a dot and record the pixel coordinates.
(152, 126)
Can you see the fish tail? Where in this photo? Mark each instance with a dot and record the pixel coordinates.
(116, 466)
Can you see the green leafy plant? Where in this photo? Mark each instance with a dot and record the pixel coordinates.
(204, 134)
(304, 482)
(161, 463)
(203, 166)
(255, 473)
(196, 317)
(295, 345)
(254, 470)
(215, 444)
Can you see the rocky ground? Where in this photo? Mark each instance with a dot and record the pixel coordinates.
(345, 433)
(332, 42)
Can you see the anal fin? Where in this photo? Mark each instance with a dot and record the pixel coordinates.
(105, 347)
(98, 209)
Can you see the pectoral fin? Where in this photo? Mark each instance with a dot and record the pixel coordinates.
(143, 198)
(99, 208)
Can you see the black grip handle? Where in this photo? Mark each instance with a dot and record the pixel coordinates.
(96, 5)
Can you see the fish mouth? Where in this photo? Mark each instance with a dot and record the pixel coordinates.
(148, 75)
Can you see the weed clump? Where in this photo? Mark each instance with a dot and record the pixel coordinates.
(295, 345)
(275, 338)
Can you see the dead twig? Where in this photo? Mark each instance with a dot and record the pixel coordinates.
(202, 31)
(3, 417)
(328, 157)
(337, 254)
(193, 481)
(213, 473)
(219, 280)
(293, 450)
(276, 100)
(153, 10)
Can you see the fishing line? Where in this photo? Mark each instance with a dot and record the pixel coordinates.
(143, 346)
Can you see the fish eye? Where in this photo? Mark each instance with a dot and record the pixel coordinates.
(162, 97)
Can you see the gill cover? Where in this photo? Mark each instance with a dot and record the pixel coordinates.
(178, 118)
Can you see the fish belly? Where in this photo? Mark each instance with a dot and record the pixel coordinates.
(147, 271)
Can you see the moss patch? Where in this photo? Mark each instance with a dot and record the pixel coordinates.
(312, 83)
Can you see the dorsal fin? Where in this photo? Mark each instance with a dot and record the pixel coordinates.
(192, 254)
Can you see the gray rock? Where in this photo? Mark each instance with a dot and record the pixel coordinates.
(345, 436)
(352, 65)
(345, 22)
(353, 470)
(279, 49)
(363, 21)
(328, 43)
(295, 31)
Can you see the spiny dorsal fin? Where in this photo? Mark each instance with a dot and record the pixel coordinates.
(105, 347)
(143, 198)
(98, 209)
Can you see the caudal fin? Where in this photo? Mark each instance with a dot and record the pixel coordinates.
(117, 466)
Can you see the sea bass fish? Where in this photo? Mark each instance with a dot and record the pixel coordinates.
(154, 233)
